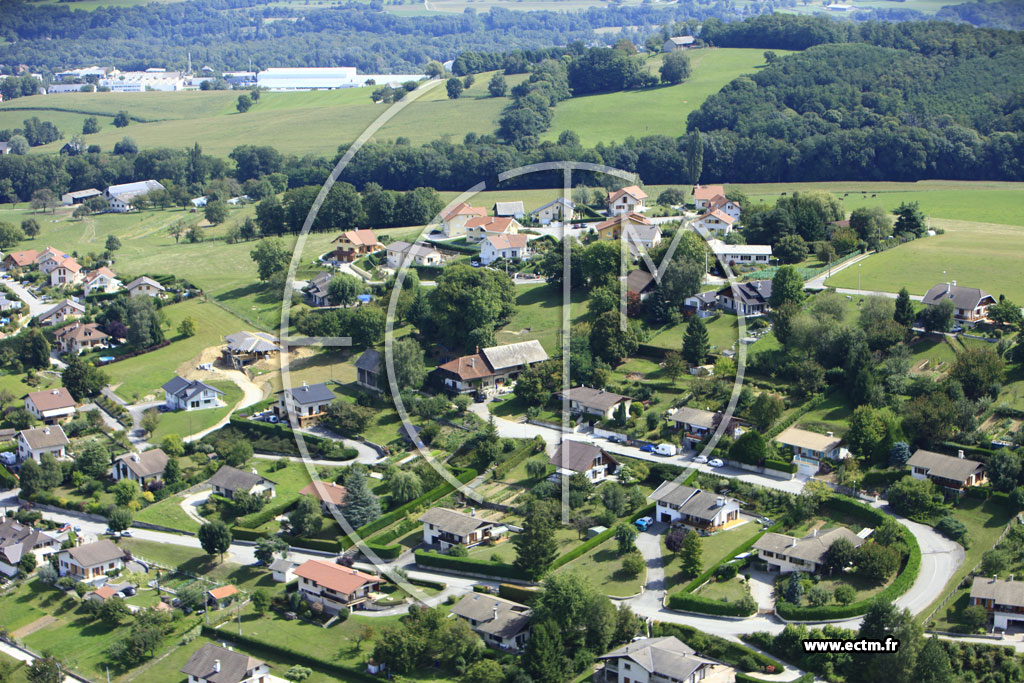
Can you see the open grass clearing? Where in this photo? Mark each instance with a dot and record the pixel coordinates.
(732, 590)
(168, 512)
(197, 563)
(714, 549)
(188, 422)
(602, 569)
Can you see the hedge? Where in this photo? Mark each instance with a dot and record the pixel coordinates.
(900, 585)
(688, 602)
(717, 647)
(427, 558)
(385, 552)
(7, 480)
(520, 594)
(597, 540)
(744, 678)
(328, 545)
(807, 407)
(242, 534)
(287, 654)
(780, 466)
(425, 583)
(255, 519)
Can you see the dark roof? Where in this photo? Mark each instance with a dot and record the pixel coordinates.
(458, 523)
(667, 656)
(696, 417)
(753, 292)
(962, 297)
(369, 361)
(234, 666)
(944, 466)
(187, 388)
(599, 399)
(639, 281)
(691, 501)
(16, 539)
(310, 393)
(251, 342)
(494, 616)
(577, 456)
(92, 554)
(1009, 593)
(147, 463)
(234, 479)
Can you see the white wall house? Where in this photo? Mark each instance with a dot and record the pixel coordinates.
(495, 247)
(334, 586)
(1003, 600)
(90, 562)
(678, 504)
(50, 406)
(444, 528)
(186, 394)
(34, 443)
(627, 200)
(215, 664)
(785, 554)
(121, 197)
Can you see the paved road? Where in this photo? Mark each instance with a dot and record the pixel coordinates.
(818, 282)
(136, 435)
(35, 306)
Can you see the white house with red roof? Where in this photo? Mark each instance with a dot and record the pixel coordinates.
(51, 405)
(627, 200)
(453, 223)
(704, 194)
(479, 228)
(334, 586)
(353, 244)
(101, 281)
(66, 272)
(495, 247)
(714, 222)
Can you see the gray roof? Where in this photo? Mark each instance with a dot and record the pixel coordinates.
(753, 292)
(513, 355)
(508, 208)
(810, 548)
(667, 656)
(567, 203)
(453, 521)
(234, 666)
(682, 40)
(1009, 593)
(44, 437)
(66, 302)
(147, 463)
(282, 564)
(16, 539)
(695, 416)
(944, 466)
(403, 247)
(709, 297)
(813, 441)
(129, 191)
(691, 501)
(962, 297)
(92, 554)
(185, 389)
(310, 393)
(494, 616)
(143, 280)
(577, 456)
(252, 342)
(598, 399)
(638, 281)
(369, 361)
(234, 479)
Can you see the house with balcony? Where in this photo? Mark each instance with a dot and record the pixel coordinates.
(705, 196)
(18, 540)
(334, 586)
(453, 223)
(1003, 600)
(660, 660)
(79, 336)
(39, 441)
(696, 424)
(500, 623)
(400, 253)
(309, 403)
(785, 554)
(573, 457)
(688, 506)
(354, 244)
(746, 298)
(587, 401)
(494, 247)
(66, 272)
(970, 304)
(946, 471)
(559, 210)
(741, 254)
(491, 369)
(190, 394)
(90, 562)
(444, 528)
(714, 223)
(60, 312)
(51, 406)
(145, 286)
(701, 304)
(101, 281)
(144, 468)
(809, 449)
(479, 229)
(627, 200)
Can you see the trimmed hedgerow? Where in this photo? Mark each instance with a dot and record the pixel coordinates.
(427, 558)
(688, 602)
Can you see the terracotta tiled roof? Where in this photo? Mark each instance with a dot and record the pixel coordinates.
(335, 577)
(468, 367)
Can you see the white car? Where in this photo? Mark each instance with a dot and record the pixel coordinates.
(701, 459)
(715, 462)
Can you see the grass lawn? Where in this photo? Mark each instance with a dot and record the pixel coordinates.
(602, 568)
(195, 561)
(167, 513)
(715, 548)
(723, 333)
(539, 316)
(732, 590)
(985, 522)
(18, 669)
(973, 254)
(865, 589)
(949, 618)
(832, 415)
(187, 422)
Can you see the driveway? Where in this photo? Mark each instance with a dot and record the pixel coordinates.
(136, 435)
(35, 306)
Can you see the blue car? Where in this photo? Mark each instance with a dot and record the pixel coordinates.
(643, 523)
(648, 448)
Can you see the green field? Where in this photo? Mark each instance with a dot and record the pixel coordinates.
(974, 254)
(188, 422)
(602, 569)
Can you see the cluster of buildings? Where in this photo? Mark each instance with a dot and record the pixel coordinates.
(120, 198)
(491, 369)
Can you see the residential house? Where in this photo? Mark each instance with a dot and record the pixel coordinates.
(1003, 600)
(334, 586)
(577, 456)
(946, 471)
(66, 272)
(970, 304)
(229, 480)
(368, 371)
(695, 423)
(50, 406)
(400, 253)
(121, 197)
(34, 443)
(221, 597)
(701, 304)
(309, 402)
(79, 336)
(478, 229)
(559, 210)
(514, 210)
(741, 254)
(626, 201)
(101, 281)
(90, 562)
(445, 528)
(704, 194)
(746, 298)
(810, 448)
(787, 554)
(500, 623)
(18, 540)
(634, 228)
(50, 258)
(660, 660)
(491, 369)
(327, 492)
(641, 283)
(353, 244)
(20, 259)
(8, 305)
(453, 223)
(190, 394)
(317, 288)
(215, 664)
(79, 196)
(678, 504)
(677, 43)
(143, 468)
(585, 401)
(5, 147)
(714, 222)
(61, 311)
(245, 348)
(144, 286)
(494, 247)
(283, 570)
(101, 594)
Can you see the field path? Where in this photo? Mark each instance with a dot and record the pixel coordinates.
(29, 629)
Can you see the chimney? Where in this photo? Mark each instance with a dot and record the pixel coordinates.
(255, 472)
(793, 544)
(472, 512)
(494, 613)
(960, 454)
(135, 457)
(947, 287)
(55, 392)
(216, 666)
(830, 434)
(46, 430)
(719, 502)
(954, 283)
(472, 362)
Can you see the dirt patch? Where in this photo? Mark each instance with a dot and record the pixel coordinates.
(635, 376)
(29, 629)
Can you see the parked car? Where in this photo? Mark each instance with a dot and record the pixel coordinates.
(643, 523)
(701, 459)
(648, 448)
(126, 533)
(162, 408)
(128, 591)
(666, 449)
(958, 329)
(716, 462)
(273, 419)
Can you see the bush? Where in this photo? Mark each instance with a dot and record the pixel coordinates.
(726, 572)
(688, 602)
(520, 594)
(468, 564)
